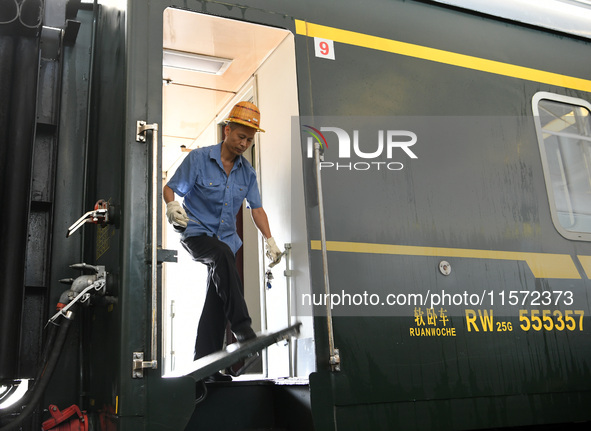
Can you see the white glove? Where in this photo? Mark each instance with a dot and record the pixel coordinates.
(273, 251)
(176, 214)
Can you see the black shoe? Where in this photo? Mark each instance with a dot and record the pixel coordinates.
(218, 377)
(244, 334)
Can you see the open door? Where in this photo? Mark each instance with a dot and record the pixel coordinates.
(209, 64)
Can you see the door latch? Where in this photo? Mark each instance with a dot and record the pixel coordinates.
(139, 365)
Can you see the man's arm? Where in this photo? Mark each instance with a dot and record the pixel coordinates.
(259, 217)
(167, 194)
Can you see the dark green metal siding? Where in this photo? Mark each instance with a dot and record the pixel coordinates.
(462, 192)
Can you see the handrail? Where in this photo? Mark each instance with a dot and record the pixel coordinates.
(334, 360)
(142, 128)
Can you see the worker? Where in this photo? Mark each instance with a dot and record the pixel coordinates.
(213, 182)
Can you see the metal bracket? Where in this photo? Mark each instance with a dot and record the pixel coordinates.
(167, 255)
(162, 254)
(288, 272)
(139, 365)
(335, 361)
(141, 128)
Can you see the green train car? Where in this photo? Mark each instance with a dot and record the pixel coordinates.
(426, 166)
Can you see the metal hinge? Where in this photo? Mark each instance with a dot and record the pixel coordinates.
(139, 365)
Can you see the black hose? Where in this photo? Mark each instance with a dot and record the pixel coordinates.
(34, 394)
(49, 342)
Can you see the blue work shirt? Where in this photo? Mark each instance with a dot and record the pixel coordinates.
(211, 198)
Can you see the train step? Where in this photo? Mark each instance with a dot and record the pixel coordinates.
(270, 405)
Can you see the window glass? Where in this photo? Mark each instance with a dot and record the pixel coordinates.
(564, 134)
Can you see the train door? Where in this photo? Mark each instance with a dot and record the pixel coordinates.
(209, 64)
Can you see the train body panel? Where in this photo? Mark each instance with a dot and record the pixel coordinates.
(483, 194)
(455, 302)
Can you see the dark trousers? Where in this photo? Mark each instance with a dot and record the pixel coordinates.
(224, 300)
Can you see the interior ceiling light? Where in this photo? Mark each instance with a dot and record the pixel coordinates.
(194, 62)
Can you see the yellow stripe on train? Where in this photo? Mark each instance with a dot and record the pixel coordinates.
(440, 56)
(542, 265)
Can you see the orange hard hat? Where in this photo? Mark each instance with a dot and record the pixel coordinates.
(247, 114)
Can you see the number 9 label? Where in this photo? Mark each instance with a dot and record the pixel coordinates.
(324, 48)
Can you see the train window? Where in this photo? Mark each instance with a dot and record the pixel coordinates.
(563, 126)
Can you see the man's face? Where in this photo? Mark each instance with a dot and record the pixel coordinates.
(240, 139)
